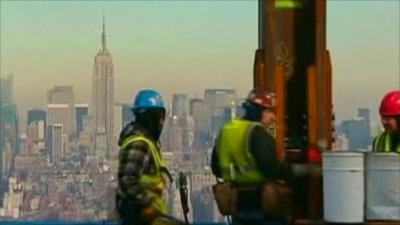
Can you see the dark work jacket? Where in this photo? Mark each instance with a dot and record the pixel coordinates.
(262, 148)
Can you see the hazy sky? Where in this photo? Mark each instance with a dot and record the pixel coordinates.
(178, 46)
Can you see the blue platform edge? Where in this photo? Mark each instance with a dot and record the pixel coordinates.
(58, 222)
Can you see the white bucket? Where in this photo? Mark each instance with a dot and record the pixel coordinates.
(343, 187)
(382, 186)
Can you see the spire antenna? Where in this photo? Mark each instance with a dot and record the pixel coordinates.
(103, 35)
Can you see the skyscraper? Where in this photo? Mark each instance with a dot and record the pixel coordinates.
(9, 123)
(35, 140)
(180, 105)
(64, 95)
(202, 123)
(36, 115)
(217, 100)
(357, 130)
(59, 114)
(6, 90)
(180, 109)
(127, 114)
(81, 112)
(102, 109)
(36, 124)
(8, 120)
(118, 121)
(55, 142)
(365, 113)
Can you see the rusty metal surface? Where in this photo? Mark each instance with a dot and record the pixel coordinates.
(280, 111)
(259, 79)
(294, 39)
(329, 107)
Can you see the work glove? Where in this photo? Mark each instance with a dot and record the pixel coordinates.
(315, 170)
(303, 170)
(300, 170)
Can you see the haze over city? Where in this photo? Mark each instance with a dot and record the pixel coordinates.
(177, 46)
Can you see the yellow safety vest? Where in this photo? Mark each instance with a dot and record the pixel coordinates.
(154, 183)
(383, 142)
(235, 160)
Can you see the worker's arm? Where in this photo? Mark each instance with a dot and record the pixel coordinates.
(133, 160)
(262, 147)
(132, 203)
(215, 168)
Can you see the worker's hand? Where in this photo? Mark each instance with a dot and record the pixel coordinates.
(300, 170)
(315, 170)
(303, 170)
(149, 213)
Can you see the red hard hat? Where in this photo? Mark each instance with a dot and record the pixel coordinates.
(390, 104)
(262, 97)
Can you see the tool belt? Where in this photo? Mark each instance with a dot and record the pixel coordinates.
(276, 197)
(225, 194)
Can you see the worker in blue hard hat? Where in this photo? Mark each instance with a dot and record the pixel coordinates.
(142, 176)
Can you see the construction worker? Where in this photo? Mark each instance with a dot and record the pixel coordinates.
(389, 140)
(244, 154)
(142, 176)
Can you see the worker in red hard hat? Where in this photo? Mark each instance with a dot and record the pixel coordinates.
(389, 140)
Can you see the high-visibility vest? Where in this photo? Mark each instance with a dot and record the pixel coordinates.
(235, 160)
(383, 142)
(153, 183)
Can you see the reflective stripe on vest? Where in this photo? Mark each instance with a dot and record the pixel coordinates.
(155, 182)
(383, 143)
(235, 160)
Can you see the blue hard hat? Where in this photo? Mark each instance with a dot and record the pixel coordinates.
(146, 99)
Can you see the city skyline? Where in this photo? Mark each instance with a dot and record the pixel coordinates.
(66, 92)
(68, 180)
(212, 40)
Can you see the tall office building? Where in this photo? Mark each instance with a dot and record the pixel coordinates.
(36, 115)
(6, 90)
(36, 131)
(60, 114)
(118, 121)
(200, 113)
(64, 95)
(81, 112)
(127, 114)
(365, 113)
(10, 131)
(55, 142)
(102, 108)
(35, 137)
(217, 100)
(357, 131)
(180, 113)
(180, 105)
(8, 121)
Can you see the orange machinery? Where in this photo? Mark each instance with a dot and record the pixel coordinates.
(293, 61)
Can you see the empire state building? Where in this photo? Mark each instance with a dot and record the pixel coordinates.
(103, 101)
